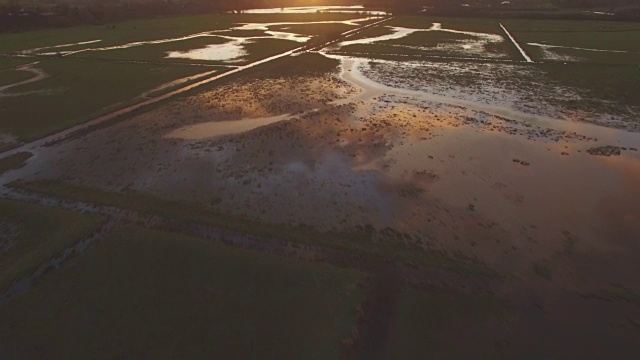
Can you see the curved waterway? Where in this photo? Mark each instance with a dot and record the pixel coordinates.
(351, 73)
(39, 74)
(229, 51)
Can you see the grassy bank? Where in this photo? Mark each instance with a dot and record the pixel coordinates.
(358, 241)
(426, 321)
(145, 294)
(31, 235)
(9, 77)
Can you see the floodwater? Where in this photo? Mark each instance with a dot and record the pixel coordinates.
(475, 45)
(230, 52)
(217, 128)
(234, 50)
(30, 51)
(456, 174)
(508, 167)
(39, 74)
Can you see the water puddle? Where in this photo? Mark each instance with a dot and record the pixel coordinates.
(39, 74)
(217, 128)
(232, 51)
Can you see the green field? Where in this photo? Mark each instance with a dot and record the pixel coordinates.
(434, 43)
(542, 26)
(87, 84)
(426, 320)
(7, 62)
(607, 86)
(33, 234)
(8, 77)
(490, 26)
(580, 41)
(313, 29)
(78, 90)
(144, 294)
(357, 241)
(446, 207)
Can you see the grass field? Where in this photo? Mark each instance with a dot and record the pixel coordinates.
(522, 25)
(455, 205)
(78, 90)
(426, 320)
(358, 242)
(33, 234)
(146, 294)
(579, 41)
(619, 47)
(436, 43)
(7, 62)
(607, 86)
(9, 77)
(489, 26)
(263, 48)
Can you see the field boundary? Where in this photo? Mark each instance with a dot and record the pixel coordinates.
(520, 49)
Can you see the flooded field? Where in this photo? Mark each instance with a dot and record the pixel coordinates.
(416, 136)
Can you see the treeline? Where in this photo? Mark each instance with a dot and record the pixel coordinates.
(21, 15)
(628, 10)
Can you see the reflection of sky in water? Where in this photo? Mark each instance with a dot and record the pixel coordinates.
(476, 45)
(234, 49)
(230, 51)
